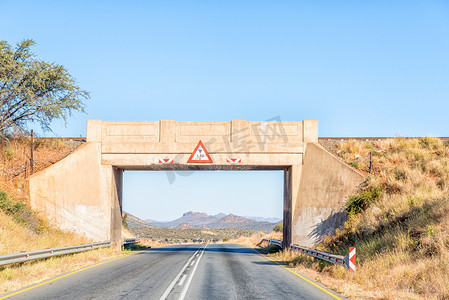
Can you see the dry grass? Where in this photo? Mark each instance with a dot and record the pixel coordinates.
(15, 237)
(15, 155)
(253, 240)
(402, 238)
(21, 275)
(25, 230)
(249, 241)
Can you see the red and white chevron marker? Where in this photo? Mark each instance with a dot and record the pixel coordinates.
(233, 160)
(166, 161)
(351, 259)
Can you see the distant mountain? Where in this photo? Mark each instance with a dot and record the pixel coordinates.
(233, 221)
(262, 219)
(220, 215)
(195, 220)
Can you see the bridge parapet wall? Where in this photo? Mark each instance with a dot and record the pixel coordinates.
(220, 137)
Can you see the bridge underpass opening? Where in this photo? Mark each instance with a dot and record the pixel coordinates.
(166, 195)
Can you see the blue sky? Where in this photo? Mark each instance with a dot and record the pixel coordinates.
(362, 68)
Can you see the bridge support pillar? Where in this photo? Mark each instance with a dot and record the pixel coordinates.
(287, 226)
(320, 197)
(116, 208)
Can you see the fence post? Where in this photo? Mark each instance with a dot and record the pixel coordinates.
(370, 162)
(26, 169)
(351, 263)
(31, 154)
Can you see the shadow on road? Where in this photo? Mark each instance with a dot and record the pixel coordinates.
(265, 263)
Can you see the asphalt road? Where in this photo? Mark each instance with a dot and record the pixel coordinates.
(222, 271)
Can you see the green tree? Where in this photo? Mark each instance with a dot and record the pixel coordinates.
(34, 91)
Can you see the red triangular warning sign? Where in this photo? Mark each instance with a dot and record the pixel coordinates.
(200, 155)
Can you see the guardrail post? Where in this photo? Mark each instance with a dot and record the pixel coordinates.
(31, 153)
(351, 261)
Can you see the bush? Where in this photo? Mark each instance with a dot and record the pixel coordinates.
(279, 227)
(429, 142)
(7, 154)
(125, 221)
(362, 201)
(21, 213)
(354, 164)
(8, 206)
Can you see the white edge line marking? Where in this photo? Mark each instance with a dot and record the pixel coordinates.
(182, 279)
(186, 286)
(172, 284)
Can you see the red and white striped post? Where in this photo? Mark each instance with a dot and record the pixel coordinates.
(351, 264)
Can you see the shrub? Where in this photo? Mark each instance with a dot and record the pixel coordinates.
(21, 213)
(279, 227)
(11, 207)
(429, 142)
(7, 154)
(354, 164)
(400, 174)
(125, 221)
(3, 198)
(362, 201)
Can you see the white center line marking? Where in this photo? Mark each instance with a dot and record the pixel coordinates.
(182, 279)
(172, 284)
(192, 263)
(186, 286)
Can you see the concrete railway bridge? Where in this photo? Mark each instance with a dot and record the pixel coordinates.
(83, 192)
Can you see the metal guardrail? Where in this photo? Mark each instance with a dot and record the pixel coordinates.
(130, 241)
(39, 254)
(274, 242)
(31, 255)
(336, 259)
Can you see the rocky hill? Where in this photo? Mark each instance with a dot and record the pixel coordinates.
(133, 222)
(184, 232)
(201, 220)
